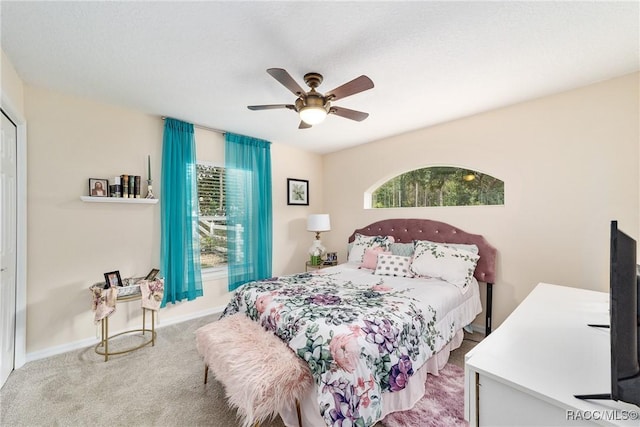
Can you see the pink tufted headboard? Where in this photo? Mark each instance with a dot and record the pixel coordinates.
(407, 230)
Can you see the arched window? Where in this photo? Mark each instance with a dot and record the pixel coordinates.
(438, 186)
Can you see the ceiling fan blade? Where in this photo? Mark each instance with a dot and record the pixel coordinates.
(358, 116)
(270, 107)
(304, 125)
(286, 80)
(357, 85)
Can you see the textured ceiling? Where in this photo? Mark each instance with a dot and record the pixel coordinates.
(431, 62)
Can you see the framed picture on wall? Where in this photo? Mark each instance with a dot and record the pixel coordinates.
(297, 192)
(98, 187)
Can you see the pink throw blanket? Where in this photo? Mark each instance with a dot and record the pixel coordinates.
(152, 292)
(104, 302)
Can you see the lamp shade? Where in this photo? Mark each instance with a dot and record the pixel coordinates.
(318, 222)
(313, 115)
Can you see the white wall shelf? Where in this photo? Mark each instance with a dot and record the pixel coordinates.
(117, 200)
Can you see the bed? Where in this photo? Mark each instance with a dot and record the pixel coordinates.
(371, 329)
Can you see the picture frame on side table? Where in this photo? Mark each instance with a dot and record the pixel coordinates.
(112, 279)
(98, 187)
(297, 192)
(152, 274)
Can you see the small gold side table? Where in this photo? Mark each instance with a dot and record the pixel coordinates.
(104, 339)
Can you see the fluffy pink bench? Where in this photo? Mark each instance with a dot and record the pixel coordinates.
(261, 375)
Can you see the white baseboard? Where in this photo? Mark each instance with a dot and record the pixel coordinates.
(179, 319)
(87, 342)
(59, 349)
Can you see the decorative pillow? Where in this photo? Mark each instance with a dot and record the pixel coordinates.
(402, 249)
(451, 264)
(370, 258)
(362, 242)
(393, 265)
(471, 248)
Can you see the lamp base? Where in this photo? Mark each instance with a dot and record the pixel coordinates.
(317, 249)
(315, 260)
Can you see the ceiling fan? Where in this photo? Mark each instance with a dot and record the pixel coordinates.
(312, 106)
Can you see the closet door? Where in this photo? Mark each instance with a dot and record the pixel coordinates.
(8, 244)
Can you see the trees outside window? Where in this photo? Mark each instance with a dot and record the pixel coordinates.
(439, 186)
(212, 222)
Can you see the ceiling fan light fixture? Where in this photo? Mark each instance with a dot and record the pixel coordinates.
(313, 115)
(312, 106)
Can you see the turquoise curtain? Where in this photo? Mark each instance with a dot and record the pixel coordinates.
(249, 212)
(180, 243)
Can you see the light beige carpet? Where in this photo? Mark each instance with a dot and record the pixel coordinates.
(153, 386)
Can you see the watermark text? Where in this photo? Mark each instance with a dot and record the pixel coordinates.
(603, 414)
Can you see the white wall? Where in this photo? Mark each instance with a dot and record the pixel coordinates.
(11, 84)
(569, 161)
(570, 165)
(291, 240)
(72, 243)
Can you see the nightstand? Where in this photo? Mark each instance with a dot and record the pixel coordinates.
(310, 267)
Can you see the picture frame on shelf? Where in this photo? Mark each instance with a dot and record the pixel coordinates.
(297, 192)
(98, 187)
(112, 279)
(152, 274)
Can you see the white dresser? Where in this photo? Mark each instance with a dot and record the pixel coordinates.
(526, 372)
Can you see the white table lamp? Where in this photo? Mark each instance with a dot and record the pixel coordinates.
(318, 223)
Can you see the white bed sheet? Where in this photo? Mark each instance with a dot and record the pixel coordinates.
(454, 309)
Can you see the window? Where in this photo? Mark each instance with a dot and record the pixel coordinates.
(212, 223)
(438, 186)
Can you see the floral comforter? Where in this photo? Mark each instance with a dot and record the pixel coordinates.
(359, 339)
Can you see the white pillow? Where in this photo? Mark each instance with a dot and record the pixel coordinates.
(451, 264)
(471, 248)
(362, 242)
(393, 265)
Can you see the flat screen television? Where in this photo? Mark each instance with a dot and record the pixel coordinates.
(624, 313)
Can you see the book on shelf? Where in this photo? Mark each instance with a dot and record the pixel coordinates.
(131, 186)
(136, 186)
(125, 185)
